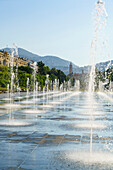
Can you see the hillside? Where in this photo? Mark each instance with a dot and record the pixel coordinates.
(58, 63)
(51, 61)
(104, 65)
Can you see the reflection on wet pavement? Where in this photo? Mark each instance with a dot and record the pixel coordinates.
(55, 131)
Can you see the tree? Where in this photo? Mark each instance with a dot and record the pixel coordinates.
(61, 76)
(41, 65)
(23, 79)
(27, 69)
(41, 80)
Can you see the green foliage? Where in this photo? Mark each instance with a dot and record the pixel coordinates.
(41, 69)
(4, 76)
(3, 83)
(23, 74)
(53, 74)
(103, 76)
(54, 71)
(27, 72)
(57, 74)
(52, 77)
(41, 80)
(27, 69)
(3, 68)
(22, 79)
(61, 76)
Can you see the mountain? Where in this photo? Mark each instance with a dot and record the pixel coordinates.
(51, 61)
(24, 53)
(104, 65)
(58, 63)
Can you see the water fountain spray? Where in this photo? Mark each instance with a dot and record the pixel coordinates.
(36, 87)
(100, 23)
(12, 81)
(47, 83)
(34, 76)
(27, 86)
(16, 55)
(12, 73)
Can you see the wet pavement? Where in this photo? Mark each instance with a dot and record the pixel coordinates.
(53, 131)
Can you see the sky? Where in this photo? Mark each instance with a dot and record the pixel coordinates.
(62, 28)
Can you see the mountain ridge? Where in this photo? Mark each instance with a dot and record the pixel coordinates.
(48, 60)
(57, 62)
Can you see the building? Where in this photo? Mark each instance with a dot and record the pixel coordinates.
(70, 69)
(5, 59)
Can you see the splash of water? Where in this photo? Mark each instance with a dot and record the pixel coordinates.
(47, 83)
(27, 87)
(34, 91)
(100, 23)
(12, 73)
(16, 55)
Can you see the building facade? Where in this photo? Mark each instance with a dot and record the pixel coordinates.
(70, 69)
(5, 59)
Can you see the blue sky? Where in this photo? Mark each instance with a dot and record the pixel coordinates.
(62, 28)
